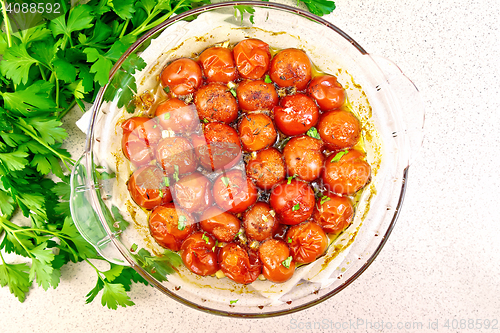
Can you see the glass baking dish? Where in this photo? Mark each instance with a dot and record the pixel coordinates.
(386, 102)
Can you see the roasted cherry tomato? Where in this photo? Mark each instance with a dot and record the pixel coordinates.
(234, 192)
(193, 193)
(266, 168)
(169, 226)
(252, 58)
(293, 201)
(215, 102)
(256, 95)
(218, 147)
(182, 76)
(277, 264)
(346, 172)
(238, 264)
(140, 136)
(259, 222)
(175, 115)
(307, 241)
(148, 188)
(327, 92)
(296, 114)
(291, 67)
(197, 253)
(218, 65)
(222, 225)
(256, 131)
(339, 129)
(303, 157)
(176, 156)
(333, 213)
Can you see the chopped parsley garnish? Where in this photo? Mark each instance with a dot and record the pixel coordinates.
(233, 91)
(181, 223)
(225, 181)
(205, 120)
(286, 263)
(176, 172)
(166, 116)
(133, 248)
(289, 240)
(339, 155)
(324, 199)
(268, 79)
(161, 193)
(233, 301)
(166, 181)
(167, 89)
(205, 238)
(296, 207)
(313, 133)
(289, 179)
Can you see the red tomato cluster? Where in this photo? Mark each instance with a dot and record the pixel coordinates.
(296, 139)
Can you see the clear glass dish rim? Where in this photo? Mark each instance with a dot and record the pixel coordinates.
(140, 270)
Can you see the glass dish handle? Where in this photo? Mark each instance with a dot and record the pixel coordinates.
(410, 104)
(85, 217)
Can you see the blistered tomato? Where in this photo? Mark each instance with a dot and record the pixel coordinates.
(182, 76)
(256, 95)
(176, 156)
(293, 201)
(238, 264)
(339, 129)
(234, 192)
(169, 226)
(296, 114)
(218, 147)
(252, 58)
(223, 225)
(193, 193)
(148, 188)
(218, 65)
(140, 136)
(291, 67)
(277, 264)
(256, 131)
(333, 213)
(197, 253)
(327, 92)
(307, 241)
(303, 157)
(175, 115)
(346, 172)
(259, 222)
(267, 168)
(215, 102)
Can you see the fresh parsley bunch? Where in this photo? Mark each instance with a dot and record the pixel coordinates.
(46, 68)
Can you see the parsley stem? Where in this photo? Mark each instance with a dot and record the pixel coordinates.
(8, 28)
(57, 89)
(63, 113)
(124, 28)
(42, 73)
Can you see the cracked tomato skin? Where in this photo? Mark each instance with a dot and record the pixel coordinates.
(176, 154)
(252, 57)
(308, 242)
(147, 187)
(272, 254)
(182, 76)
(296, 114)
(334, 214)
(291, 67)
(348, 175)
(140, 136)
(234, 192)
(165, 229)
(193, 193)
(238, 264)
(327, 92)
(293, 201)
(197, 253)
(218, 65)
(222, 225)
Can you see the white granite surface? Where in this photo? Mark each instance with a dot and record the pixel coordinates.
(441, 261)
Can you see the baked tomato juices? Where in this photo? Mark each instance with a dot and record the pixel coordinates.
(248, 162)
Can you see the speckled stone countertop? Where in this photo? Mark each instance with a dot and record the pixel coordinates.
(440, 266)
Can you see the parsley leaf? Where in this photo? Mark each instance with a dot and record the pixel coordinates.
(15, 276)
(286, 263)
(16, 64)
(339, 155)
(114, 294)
(79, 18)
(313, 133)
(319, 7)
